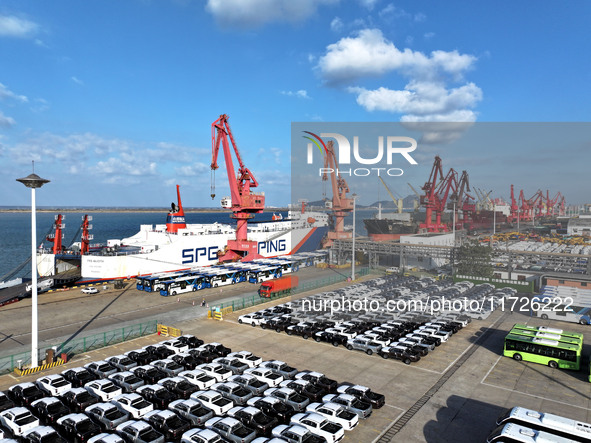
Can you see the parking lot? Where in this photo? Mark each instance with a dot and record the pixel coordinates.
(449, 399)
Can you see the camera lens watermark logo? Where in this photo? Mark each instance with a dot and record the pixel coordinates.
(394, 145)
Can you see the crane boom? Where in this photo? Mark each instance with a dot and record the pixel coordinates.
(397, 202)
(245, 203)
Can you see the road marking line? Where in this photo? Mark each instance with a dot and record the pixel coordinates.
(388, 427)
(536, 396)
(491, 368)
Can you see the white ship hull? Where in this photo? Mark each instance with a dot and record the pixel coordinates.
(153, 249)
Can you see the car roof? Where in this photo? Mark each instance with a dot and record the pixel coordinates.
(16, 410)
(78, 416)
(46, 400)
(41, 430)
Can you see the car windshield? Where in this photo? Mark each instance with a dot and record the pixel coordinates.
(109, 387)
(105, 368)
(59, 383)
(24, 418)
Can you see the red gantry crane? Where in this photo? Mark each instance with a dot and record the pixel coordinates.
(437, 189)
(244, 203)
(341, 204)
(57, 236)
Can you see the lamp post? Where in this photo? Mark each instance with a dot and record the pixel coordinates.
(353, 245)
(33, 181)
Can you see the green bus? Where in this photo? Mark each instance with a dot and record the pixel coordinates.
(545, 351)
(540, 334)
(548, 330)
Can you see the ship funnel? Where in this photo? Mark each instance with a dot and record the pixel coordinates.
(175, 219)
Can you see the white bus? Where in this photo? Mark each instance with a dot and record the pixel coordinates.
(512, 433)
(184, 284)
(574, 430)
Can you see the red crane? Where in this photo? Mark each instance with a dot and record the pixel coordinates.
(341, 204)
(428, 199)
(245, 203)
(464, 201)
(86, 236)
(447, 185)
(57, 236)
(514, 207)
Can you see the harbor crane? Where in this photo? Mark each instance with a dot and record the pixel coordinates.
(244, 202)
(398, 202)
(341, 204)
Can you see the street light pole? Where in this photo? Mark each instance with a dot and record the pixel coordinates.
(353, 243)
(33, 181)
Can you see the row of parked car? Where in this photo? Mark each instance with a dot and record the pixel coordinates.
(407, 338)
(183, 390)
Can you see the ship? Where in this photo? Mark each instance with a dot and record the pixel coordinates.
(176, 245)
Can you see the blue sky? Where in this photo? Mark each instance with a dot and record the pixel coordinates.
(114, 99)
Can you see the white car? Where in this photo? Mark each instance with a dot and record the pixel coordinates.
(106, 438)
(335, 413)
(319, 425)
(201, 436)
(175, 345)
(89, 290)
(134, 404)
(253, 319)
(104, 389)
(266, 375)
(18, 420)
(216, 371)
(248, 358)
(199, 378)
(53, 384)
(214, 401)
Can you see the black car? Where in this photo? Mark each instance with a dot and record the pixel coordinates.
(77, 428)
(167, 423)
(217, 348)
(319, 379)
(24, 394)
(330, 337)
(254, 418)
(179, 386)
(148, 373)
(141, 356)
(272, 407)
(49, 409)
(158, 395)
(78, 399)
(306, 388)
(203, 355)
(304, 330)
(190, 340)
(399, 354)
(5, 402)
(78, 377)
(186, 360)
(363, 393)
(160, 351)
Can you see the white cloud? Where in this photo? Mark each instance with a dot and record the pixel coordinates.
(420, 98)
(5, 94)
(371, 54)
(5, 121)
(11, 26)
(429, 95)
(77, 80)
(301, 93)
(192, 170)
(336, 25)
(428, 35)
(255, 13)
